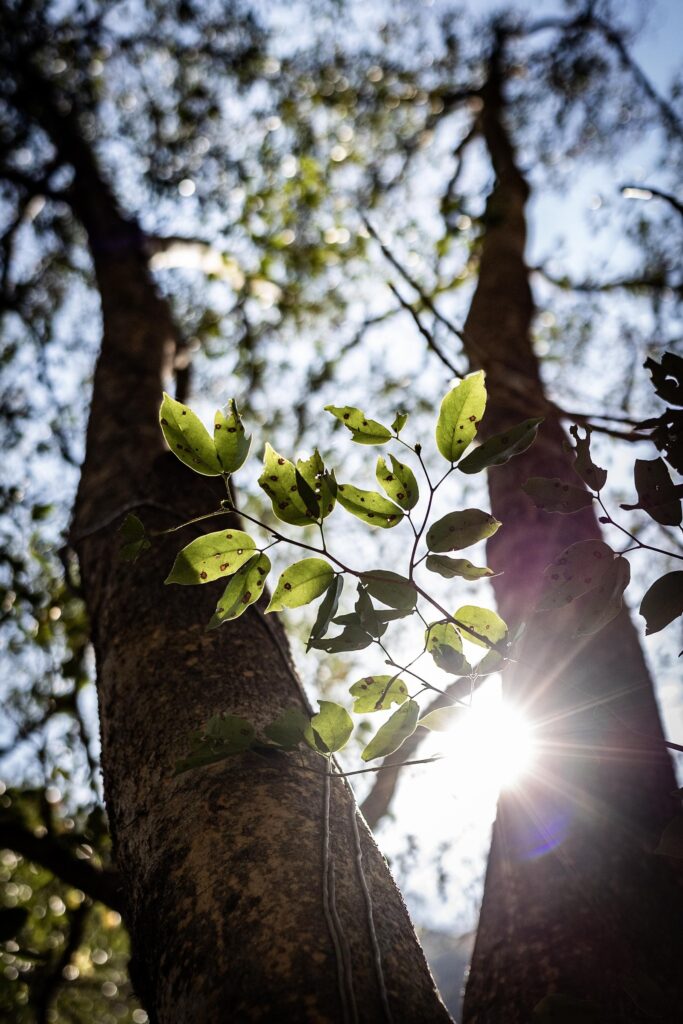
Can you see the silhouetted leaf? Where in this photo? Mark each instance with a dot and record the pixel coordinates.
(594, 477)
(657, 493)
(326, 611)
(390, 588)
(134, 540)
(663, 602)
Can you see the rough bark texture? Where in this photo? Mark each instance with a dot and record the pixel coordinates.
(222, 866)
(575, 902)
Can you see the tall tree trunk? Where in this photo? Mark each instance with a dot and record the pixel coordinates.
(222, 866)
(576, 905)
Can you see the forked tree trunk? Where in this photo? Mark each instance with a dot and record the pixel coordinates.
(576, 905)
(222, 866)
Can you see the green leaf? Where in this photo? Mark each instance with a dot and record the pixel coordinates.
(483, 621)
(663, 602)
(377, 693)
(459, 416)
(245, 587)
(353, 638)
(330, 729)
(301, 583)
(498, 449)
(278, 480)
(450, 567)
(460, 529)
(133, 539)
(443, 642)
(576, 570)
(363, 430)
(399, 482)
(442, 719)
(188, 438)
(320, 481)
(390, 588)
(222, 737)
(369, 506)
(395, 730)
(211, 557)
(400, 420)
(307, 495)
(288, 729)
(326, 611)
(594, 477)
(230, 440)
(657, 493)
(553, 495)
(367, 615)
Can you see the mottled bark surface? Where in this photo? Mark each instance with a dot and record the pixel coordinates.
(222, 866)
(575, 902)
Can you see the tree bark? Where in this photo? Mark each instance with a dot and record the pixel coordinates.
(222, 867)
(576, 905)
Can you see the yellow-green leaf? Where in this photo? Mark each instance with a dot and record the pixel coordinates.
(300, 583)
(231, 441)
(395, 730)
(330, 729)
(444, 643)
(482, 621)
(245, 587)
(188, 438)
(377, 693)
(369, 506)
(451, 567)
(399, 482)
(363, 430)
(459, 416)
(211, 557)
(278, 480)
(460, 529)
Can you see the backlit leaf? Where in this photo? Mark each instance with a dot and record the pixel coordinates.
(330, 729)
(320, 481)
(278, 480)
(451, 567)
(498, 449)
(554, 495)
(600, 605)
(211, 557)
(377, 693)
(369, 506)
(459, 416)
(395, 730)
(400, 420)
(444, 643)
(300, 583)
(229, 437)
(245, 587)
(399, 482)
(363, 430)
(460, 529)
(390, 588)
(188, 438)
(486, 623)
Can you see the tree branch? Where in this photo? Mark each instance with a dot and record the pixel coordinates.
(100, 884)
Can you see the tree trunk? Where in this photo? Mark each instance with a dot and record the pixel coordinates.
(576, 905)
(222, 866)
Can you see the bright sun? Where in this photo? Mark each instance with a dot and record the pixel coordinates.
(499, 741)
